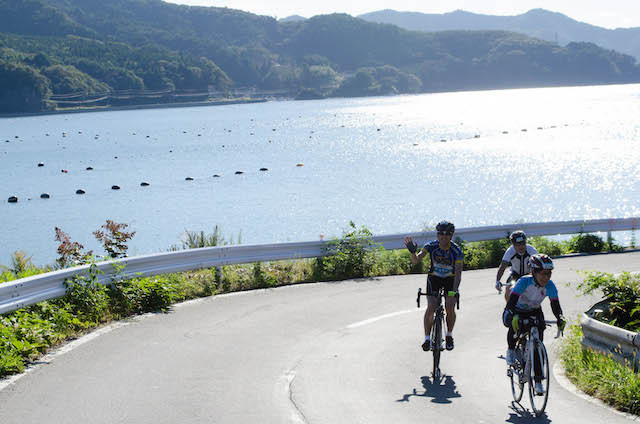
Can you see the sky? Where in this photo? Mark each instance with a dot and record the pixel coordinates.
(604, 13)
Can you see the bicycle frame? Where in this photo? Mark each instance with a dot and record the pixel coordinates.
(437, 328)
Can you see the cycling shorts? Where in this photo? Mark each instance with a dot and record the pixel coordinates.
(434, 283)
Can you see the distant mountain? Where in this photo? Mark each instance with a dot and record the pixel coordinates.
(538, 23)
(134, 51)
(293, 18)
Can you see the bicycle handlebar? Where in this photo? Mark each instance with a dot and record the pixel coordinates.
(425, 294)
(547, 323)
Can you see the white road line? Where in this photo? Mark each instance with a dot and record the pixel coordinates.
(374, 319)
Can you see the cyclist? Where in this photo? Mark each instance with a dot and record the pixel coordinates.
(517, 255)
(445, 271)
(526, 298)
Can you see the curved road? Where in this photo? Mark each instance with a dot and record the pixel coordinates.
(343, 352)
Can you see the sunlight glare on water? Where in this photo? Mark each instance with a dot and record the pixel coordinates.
(394, 164)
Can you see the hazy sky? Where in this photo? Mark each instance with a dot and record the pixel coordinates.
(604, 13)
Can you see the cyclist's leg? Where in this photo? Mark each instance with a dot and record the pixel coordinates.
(450, 306)
(432, 290)
(428, 315)
(536, 363)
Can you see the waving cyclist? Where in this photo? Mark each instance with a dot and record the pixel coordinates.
(525, 300)
(445, 271)
(517, 256)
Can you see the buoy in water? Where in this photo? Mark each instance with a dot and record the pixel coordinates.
(188, 179)
(144, 184)
(300, 164)
(41, 164)
(80, 191)
(44, 196)
(239, 172)
(13, 199)
(216, 175)
(264, 169)
(115, 187)
(89, 168)
(64, 171)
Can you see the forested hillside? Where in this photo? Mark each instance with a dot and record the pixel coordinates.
(133, 51)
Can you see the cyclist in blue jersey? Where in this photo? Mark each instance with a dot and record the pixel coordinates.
(525, 300)
(445, 271)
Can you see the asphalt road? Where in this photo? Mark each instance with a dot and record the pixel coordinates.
(343, 352)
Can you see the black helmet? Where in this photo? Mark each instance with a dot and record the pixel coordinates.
(540, 261)
(518, 237)
(446, 227)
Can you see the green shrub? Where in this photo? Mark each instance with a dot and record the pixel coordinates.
(141, 295)
(483, 254)
(548, 246)
(351, 256)
(589, 243)
(88, 299)
(622, 294)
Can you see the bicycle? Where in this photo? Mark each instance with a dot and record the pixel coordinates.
(528, 348)
(436, 330)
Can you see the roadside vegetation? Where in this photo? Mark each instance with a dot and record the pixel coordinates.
(28, 333)
(599, 375)
(593, 372)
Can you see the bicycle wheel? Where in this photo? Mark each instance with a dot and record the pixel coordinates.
(436, 344)
(516, 373)
(539, 401)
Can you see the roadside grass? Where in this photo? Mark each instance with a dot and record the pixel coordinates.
(599, 375)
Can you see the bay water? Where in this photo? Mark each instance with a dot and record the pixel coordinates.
(394, 164)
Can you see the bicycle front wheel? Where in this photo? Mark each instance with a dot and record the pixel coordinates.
(436, 345)
(539, 400)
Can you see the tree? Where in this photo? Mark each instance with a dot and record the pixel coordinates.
(22, 89)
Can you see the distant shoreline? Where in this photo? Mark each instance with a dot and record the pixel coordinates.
(133, 107)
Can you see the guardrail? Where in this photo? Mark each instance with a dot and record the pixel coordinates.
(27, 291)
(620, 344)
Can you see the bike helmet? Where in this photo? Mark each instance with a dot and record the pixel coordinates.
(518, 237)
(446, 227)
(540, 261)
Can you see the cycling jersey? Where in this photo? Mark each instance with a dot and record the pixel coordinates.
(531, 295)
(443, 261)
(519, 263)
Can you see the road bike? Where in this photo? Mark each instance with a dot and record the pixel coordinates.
(437, 345)
(530, 348)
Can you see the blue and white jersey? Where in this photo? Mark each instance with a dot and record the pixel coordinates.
(443, 260)
(532, 295)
